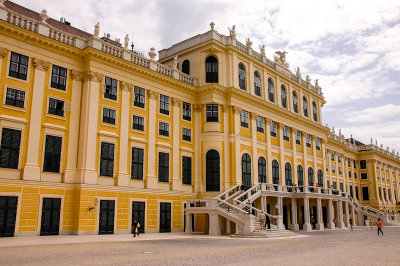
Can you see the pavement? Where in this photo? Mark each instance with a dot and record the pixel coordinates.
(329, 247)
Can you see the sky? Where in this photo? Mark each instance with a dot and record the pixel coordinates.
(351, 47)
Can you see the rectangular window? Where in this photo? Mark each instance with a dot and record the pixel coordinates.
(334, 185)
(187, 111)
(244, 118)
(380, 193)
(318, 143)
(163, 129)
(163, 167)
(364, 176)
(377, 175)
(355, 175)
(333, 169)
(140, 97)
(349, 162)
(286, 133)
(351, 191)
(350, 174)
(15, 97)
(137, 163)
(327, 167)
(308, 140)
(138, 122)
(273, 129)
(212, 112)
(18, 66)
(164, 104)
(357, 193)
(109, 115)
(332, 156)
(9, 151)
(186, 170)
(339, 157)
(187, 134)
(52, 154)
(363, 164)
(110, 91)
(298, 137)
(365, 193)
(58, 78)
(384, 193)
(340, 170)
(355, 164)
(56, 107)
(389, 195)
(260, 124)
(341, 187)
(107, 159)
(377, 164)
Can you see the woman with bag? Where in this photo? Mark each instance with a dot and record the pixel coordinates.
(135, 228)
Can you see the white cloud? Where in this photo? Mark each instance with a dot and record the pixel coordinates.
(376, 114)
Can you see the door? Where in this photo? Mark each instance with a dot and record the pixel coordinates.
(285, 217)
(138, 213)
(50, 217)
(246, 170)
(165, 217)
(106, 221)
(324, 216)
(8, 213)
(212, 171)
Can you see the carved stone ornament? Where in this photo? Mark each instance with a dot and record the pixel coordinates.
(3, 52)
(126, 41)
(236, 110)
(176, 102)
(308, 79)
(96, 29)
(212, 24)
(253, 116)
(153, 94)
(77, 75)
(223, 107)
(249, 43)
(298, 73)
(125, 86)
(316, 83)
(40, 64)
(43, 15)
(176, 61)
(152, 54)
(232, 32)
(93, 76)
(262, 50)
(197, 107)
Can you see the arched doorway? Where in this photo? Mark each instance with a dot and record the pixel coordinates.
(246, 170)
(212, 171)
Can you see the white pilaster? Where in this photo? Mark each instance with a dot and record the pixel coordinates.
(198, 155)
(254, 161)
(236, 115)
(176, 182)
(281, 154)
(307, 224)
(151, 180)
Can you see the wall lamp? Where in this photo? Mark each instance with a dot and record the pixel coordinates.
(96, 201)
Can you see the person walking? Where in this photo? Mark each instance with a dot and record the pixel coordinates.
(371, 224)
(366, 223)
(351, 223)
(379, 225)
(261, 218)
(267, 221)
(135, 228)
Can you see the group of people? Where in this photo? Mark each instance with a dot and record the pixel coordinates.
(370, 223)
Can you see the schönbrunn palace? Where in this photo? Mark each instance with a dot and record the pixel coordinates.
(94, 135)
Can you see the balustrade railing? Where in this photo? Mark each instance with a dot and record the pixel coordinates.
(165, 70)
(198, 204)
(23, 22)
(62, 37)
(111, 49)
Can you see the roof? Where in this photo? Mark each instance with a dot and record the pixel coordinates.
(52, 22)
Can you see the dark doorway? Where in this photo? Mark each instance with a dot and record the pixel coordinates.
(285, 217)
(138, 213)
(212, 170)
(165, 217)
(50, 217)
(313, 214)
(8, 213)
(302, 218)
(106, 224)
(325, 216)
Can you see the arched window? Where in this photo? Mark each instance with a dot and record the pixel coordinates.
(186, 67)
(288, 174)
(212, 170)
(246, 170)
(283, 96)
(257, 83)
(314, 111)
(310, 177)
(271, 96)
(305, 106)
(295, 109)
(211, 70)
(242, 77)
(300, 175)
(262, 170)
(275, 172)
(320, 178)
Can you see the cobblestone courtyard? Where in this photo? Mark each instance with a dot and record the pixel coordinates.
(339, 247)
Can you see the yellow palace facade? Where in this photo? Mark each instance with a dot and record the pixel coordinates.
(94, 135)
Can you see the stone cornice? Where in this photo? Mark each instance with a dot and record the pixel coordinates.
(77, 75)
(40, 64)
(93, 76)
(197, 107)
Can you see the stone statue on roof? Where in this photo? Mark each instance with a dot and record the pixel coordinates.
(298, 73)
(126, 41)
(262, 50)
(249, 43)
(232, 32)
(308, 79)
(96, 29)
(176, 61)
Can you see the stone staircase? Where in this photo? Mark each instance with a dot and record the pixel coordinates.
(265, 233)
